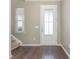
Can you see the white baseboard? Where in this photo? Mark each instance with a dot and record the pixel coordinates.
(65, 51)
(30, 45)
(40, 45)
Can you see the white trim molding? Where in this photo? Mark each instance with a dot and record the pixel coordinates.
(30, 45)
(65, 51)
(40, 45)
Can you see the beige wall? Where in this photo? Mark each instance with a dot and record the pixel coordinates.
(32, 18)
(66, 24)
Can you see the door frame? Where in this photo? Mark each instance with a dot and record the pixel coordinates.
(41, 12)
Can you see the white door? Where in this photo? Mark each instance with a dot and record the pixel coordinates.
(48, 24)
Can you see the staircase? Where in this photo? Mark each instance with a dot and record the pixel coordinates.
(15, 42)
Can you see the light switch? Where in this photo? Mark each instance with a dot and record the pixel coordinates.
(36, 27)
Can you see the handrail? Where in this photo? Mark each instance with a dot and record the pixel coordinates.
(14, 38)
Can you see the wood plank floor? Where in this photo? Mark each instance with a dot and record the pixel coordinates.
(39, 52)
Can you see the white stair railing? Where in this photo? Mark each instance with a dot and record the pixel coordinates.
(15, 42)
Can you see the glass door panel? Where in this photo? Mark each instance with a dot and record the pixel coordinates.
(48, 22)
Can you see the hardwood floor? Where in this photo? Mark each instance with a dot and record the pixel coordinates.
(39, 52)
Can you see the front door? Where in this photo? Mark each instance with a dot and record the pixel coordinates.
(48, 24)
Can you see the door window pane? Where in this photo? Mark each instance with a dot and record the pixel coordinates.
(46, 29)
(50, 28)
(46, 16)
(50, 16)
(48, 22)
